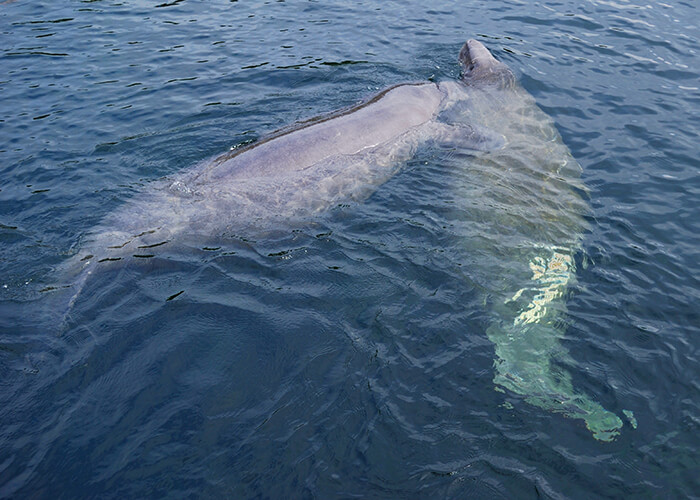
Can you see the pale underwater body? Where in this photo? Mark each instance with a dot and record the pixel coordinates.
(530, 216)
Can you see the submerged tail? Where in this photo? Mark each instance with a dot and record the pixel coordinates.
(527, 339)
(537, 377)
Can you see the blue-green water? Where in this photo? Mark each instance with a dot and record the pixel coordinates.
(346, 355)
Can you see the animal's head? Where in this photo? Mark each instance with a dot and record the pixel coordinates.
(478, 65)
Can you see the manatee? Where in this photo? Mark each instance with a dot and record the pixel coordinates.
(311, 166)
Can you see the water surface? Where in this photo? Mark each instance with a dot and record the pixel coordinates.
(345, 354)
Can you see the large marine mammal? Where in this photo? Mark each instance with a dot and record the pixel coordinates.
(345, 156)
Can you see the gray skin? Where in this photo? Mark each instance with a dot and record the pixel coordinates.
(523, 184)
(294, 173)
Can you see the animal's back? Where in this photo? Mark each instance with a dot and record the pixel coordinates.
(383, 119)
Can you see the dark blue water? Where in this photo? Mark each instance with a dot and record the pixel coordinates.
(345, 355)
